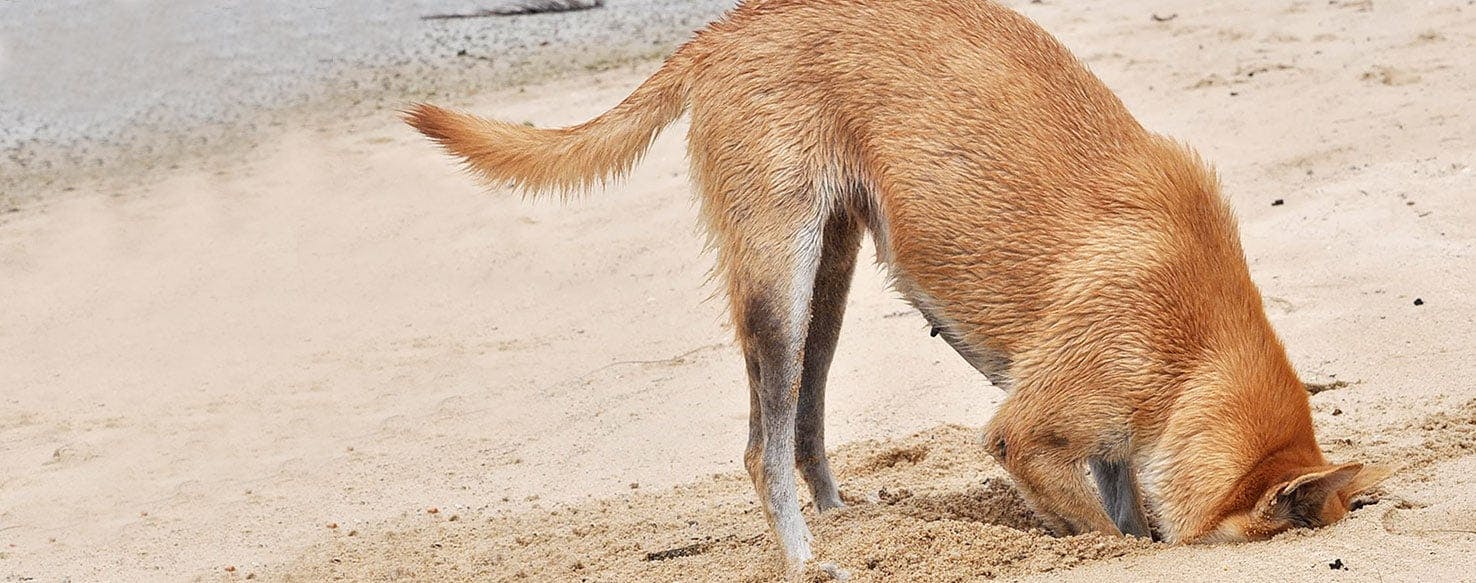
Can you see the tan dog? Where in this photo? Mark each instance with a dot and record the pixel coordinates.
(1087, 266)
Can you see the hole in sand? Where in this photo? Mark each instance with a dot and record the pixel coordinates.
(901, 455)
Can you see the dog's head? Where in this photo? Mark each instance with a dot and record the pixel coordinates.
(1310, 498)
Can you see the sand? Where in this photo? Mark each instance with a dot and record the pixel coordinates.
(274, 363)
(924, 508)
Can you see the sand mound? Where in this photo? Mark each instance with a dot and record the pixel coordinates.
(931, 507)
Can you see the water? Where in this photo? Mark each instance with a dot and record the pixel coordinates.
(81, 78)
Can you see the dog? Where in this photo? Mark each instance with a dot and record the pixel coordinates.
(1086, 266)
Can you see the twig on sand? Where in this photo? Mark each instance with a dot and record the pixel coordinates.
(686, 551)
(700, 547)
(1314, 388)
(523, 7)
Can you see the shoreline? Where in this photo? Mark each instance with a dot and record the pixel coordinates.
(45, 174)
(49, 144)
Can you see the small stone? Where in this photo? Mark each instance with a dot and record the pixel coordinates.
(1419, 302)
(835, 572)
(1278, 202)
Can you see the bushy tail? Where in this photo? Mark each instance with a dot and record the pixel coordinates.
(565, 159)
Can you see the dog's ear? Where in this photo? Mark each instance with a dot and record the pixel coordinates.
(1371, 476)
(1302, 500)
(1325, 479)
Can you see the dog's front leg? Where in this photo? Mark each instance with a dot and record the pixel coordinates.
(1121, 497)
(1046, 451)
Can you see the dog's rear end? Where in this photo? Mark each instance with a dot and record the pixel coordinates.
(1064, 251)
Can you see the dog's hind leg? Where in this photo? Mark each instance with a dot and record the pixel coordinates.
(827, 309)
(770, 242)
(772, 318)
(767, 166)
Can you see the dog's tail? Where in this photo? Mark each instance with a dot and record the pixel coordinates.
(564, 159)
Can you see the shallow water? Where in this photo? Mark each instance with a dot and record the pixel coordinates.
(77, 73)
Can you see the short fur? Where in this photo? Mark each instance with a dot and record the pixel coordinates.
(1088, 266)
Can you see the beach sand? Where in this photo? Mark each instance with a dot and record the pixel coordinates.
(331, 356)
